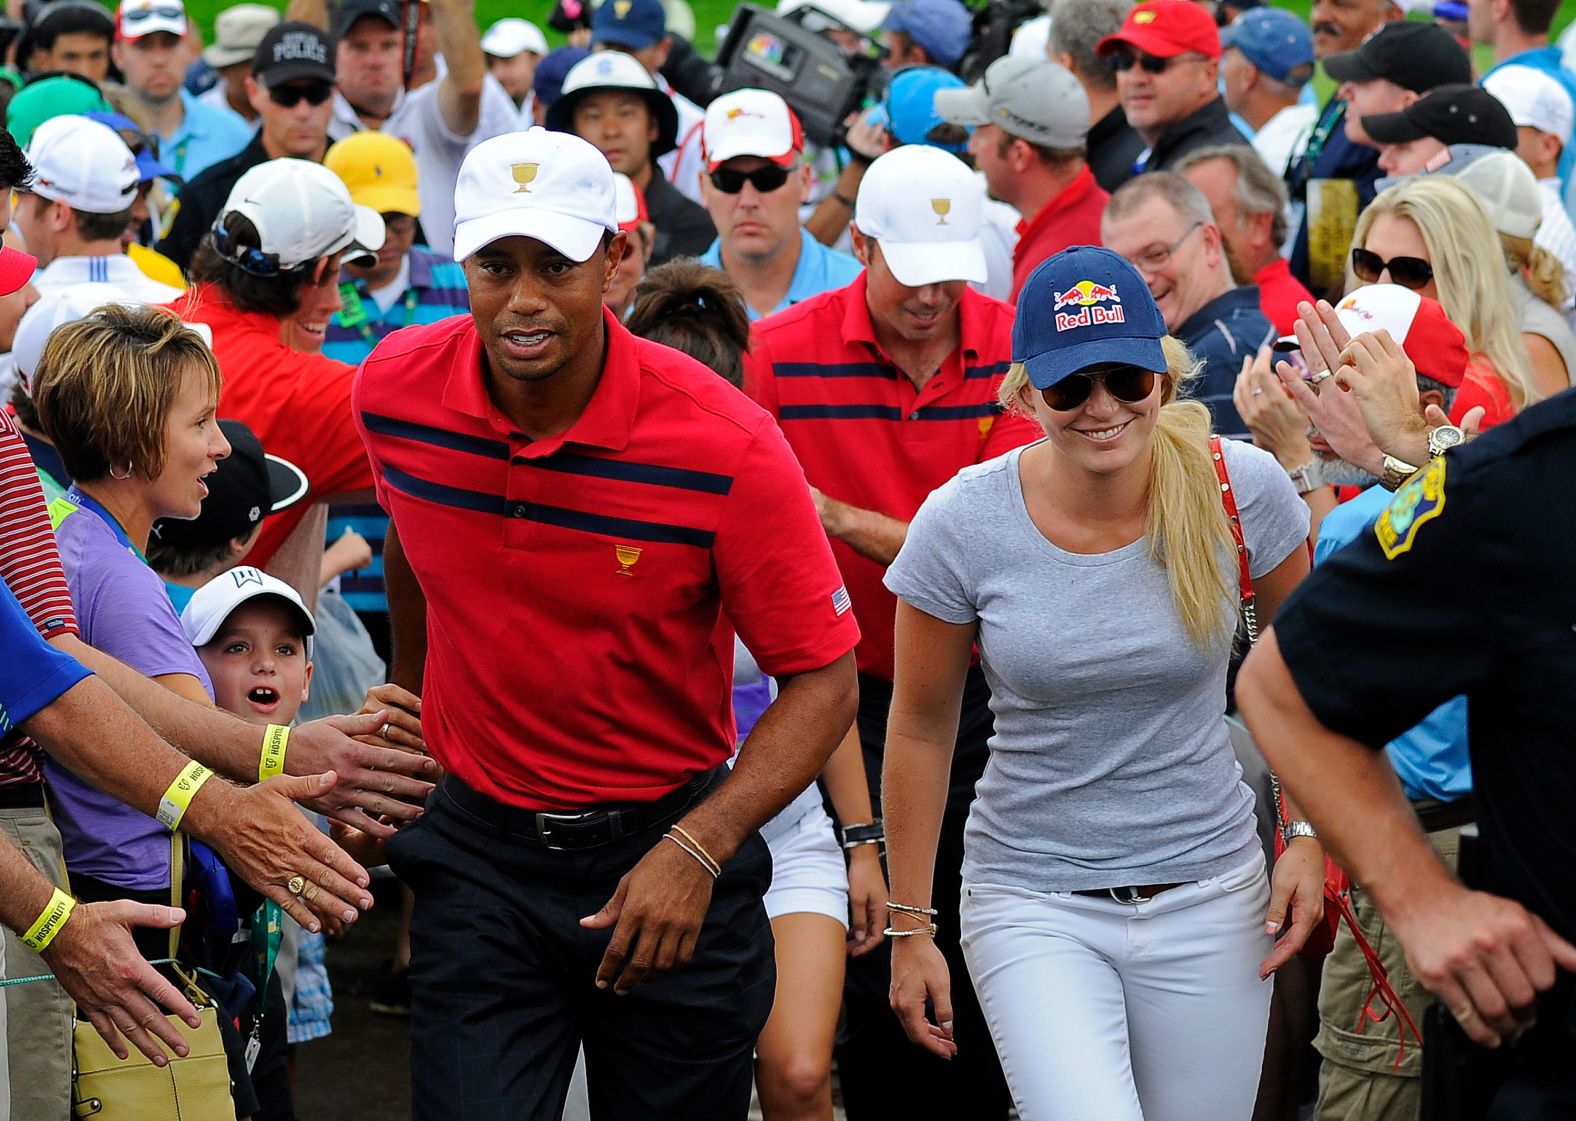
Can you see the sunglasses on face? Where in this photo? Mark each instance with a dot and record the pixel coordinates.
(764, 179)
(1127, 384)
(1148, 63)
(137, 15)
(288, 97)
(1408, 272)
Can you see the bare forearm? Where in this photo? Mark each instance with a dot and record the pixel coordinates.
(24, 892)
(869, 533)
(913, 798)
(788, 747)
(223, 742)
(831, 215)
(460, 95)
(846, 781)
(314, 12)
(1348, 790)
(407, 615)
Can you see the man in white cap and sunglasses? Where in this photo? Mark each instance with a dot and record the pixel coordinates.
(573, 510)
(275, 250)
(885, 389)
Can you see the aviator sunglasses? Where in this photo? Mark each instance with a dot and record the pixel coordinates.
(764, 179)
(1408, 272)
(1128, 384)
(288, 97)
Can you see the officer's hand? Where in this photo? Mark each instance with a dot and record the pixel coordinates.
(656, 914)
(919, 974)
(97, 963)
(1485, 957)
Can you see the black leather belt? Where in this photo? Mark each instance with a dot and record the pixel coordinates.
(22, 796)
(1132, 893)
(1436, 816)
(574, 831)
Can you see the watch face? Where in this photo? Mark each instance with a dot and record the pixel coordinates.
(1445, 436)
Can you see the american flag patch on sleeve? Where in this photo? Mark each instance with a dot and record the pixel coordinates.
(840, 601)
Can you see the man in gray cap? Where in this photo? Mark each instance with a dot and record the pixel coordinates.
(1031, 118)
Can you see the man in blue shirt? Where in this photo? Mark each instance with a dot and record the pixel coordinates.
(150, 50)
(1362, 1075)
(756, 181)
(1519, 33)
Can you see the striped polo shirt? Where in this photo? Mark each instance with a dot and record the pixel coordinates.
(436, 291)
(866, 436)
(576, 584)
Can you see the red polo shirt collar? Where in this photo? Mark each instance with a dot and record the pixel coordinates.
(1081, 187)
(609, 415)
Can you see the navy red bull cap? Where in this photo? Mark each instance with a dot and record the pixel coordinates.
(1084, 307)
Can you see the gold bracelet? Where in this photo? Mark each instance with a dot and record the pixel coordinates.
(928, 929)
(908, 909)
(699, 859)
(272, 760)
(711, 861)
(48, 924)
(178, 798)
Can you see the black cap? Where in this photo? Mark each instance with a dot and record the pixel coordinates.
(352, 10)
(247, 486)
(293, 50)
(1415, 56)
(1456, 114)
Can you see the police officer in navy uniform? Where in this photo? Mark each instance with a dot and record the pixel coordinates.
(1377, 637)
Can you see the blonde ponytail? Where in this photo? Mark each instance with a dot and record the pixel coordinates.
(1542, 270)
(1185, 519)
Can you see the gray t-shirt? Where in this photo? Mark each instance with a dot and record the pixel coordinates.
(1110, 762)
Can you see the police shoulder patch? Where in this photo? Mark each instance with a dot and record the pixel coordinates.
(1419, 501)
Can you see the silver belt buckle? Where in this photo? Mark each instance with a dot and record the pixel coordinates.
(545, 822)
(1131, 895)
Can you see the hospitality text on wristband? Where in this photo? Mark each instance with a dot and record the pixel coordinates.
(172, 807)
(48, 924)
(272, 761)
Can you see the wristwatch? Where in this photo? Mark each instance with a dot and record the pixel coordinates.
(1306, 478)
(1443, 438)
(1396, 472)
(1294, 829)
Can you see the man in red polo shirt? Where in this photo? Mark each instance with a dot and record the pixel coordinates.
(1031, 120)
(578, 521)
(276, 248)
(885, 389)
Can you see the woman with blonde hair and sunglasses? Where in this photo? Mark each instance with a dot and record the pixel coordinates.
(1432, 235)
(1117, 916)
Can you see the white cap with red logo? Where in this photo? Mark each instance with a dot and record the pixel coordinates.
(750, 123)
(924, 207)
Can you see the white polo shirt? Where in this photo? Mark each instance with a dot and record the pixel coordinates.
(115, 269)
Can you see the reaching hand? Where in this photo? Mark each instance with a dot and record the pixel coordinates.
(1279, 425)
(374, 781)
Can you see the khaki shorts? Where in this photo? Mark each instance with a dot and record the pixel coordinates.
(1360, 1079)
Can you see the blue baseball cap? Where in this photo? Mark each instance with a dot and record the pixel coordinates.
(636, 24)
(943, 27)
(148, 165)
(910, 106)
(548, 84)
(1274, 40)
(1084, 307)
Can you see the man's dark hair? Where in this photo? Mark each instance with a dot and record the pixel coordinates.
(1534, 17)
(696, 309)
(26, 411)
(167, 560)
(16, 174)
(1048, 155)
(278, 295)
(69, 17)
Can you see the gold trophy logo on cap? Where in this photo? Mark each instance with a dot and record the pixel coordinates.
(942, 207)
(524, 174)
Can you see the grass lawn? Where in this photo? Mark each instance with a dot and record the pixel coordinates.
(709, 14)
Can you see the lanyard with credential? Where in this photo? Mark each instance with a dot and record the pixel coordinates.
(354, 312)
(77, 498)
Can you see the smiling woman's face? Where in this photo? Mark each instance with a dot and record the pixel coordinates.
(1103, 435)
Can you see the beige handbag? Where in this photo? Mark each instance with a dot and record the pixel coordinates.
(195, 1088)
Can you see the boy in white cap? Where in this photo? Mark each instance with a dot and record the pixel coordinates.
(885, 389)
(756, 180)
(584, 731)
(1545, 119)
(84, 186)
(513, 48)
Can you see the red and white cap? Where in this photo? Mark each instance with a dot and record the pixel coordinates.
(136, 18)
(750, 123)
(1418, 325)
(924, 207)
(16, 269)
(629, 203)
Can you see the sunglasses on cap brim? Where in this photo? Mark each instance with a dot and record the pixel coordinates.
(1127, 384)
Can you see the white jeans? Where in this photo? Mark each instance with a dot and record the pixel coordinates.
(1112, 1011)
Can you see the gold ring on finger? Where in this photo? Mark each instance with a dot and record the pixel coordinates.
(296, 885)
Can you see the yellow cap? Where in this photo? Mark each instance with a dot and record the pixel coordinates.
(379, 171)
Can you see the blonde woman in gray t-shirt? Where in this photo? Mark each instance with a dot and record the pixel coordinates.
(1117, 918)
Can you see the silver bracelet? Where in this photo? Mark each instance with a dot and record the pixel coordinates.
(894, 932)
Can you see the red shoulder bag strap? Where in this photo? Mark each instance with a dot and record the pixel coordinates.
(1245, 578)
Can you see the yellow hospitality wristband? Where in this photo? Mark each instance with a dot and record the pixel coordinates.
(48, 924)
(272, 761)
(172, 807)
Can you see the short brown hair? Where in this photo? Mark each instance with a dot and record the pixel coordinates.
(90, 226)
(1053, 157)
(105, 384)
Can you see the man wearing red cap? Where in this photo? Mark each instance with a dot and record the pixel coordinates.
(1167, 60)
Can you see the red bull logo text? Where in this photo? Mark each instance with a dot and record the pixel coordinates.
(1090, 300)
